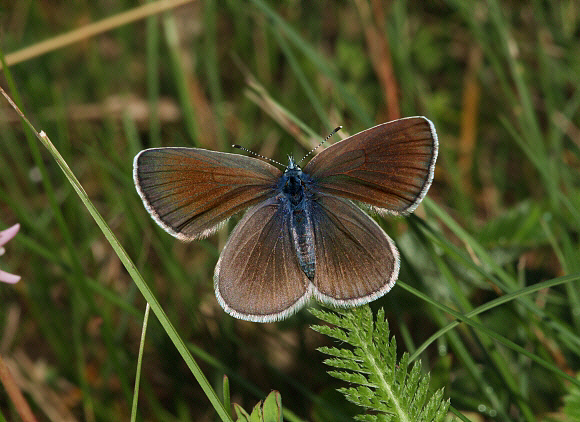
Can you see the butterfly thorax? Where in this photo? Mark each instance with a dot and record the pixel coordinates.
(297, 198)
(294, 183)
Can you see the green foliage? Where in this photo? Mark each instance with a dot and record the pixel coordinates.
(270, 410)
(385, 386)
(572, 403)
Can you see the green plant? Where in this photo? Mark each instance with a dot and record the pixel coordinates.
(384, 386)
(270, 410)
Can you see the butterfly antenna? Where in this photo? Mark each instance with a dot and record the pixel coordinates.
(320, 144)
(257, 155)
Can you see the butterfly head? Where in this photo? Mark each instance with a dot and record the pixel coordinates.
(292, 167)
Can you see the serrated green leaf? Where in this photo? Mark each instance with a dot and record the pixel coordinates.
(415, 381)
(379, 383)
(340, 353)
(420, 396)
(329, 317)
(378, 418)
(353, 394)
(365, 418)
(350, 377)
(401, 374)
(346, 364)
(334, 332)
(431, 408)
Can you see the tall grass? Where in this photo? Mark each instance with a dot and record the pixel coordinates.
(488, 298)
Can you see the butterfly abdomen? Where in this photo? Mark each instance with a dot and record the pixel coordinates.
(303, 239)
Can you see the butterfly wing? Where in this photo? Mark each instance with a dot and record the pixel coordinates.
(258, 277)
(190, 191)
(389, 166)
(356, 262)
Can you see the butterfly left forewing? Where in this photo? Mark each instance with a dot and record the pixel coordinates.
(356, 262)
(389, 166)
(190, 191)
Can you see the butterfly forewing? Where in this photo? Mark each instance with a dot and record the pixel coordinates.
(190, 191)
(389, 166)
(258, 277)
(356, 262)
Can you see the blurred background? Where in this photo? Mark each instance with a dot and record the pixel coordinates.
(500, 80)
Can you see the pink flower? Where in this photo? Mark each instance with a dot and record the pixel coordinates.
(5, 236)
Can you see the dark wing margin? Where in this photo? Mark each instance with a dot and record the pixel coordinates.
(389, 166)
(356, 262)
(191, 191)
(257, 277)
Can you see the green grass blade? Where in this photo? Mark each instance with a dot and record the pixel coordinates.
(493, 304)
(130, 267)
(139, 362)
(508, 343)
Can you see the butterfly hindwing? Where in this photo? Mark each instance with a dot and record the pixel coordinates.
(258, 277)
(356, 262)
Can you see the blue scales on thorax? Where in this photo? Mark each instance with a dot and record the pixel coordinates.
(297, 199)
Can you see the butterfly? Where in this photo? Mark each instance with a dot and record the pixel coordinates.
(302, 235)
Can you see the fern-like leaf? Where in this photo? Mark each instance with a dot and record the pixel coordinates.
(387, 389)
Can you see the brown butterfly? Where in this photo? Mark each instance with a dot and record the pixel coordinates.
(303, 236)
